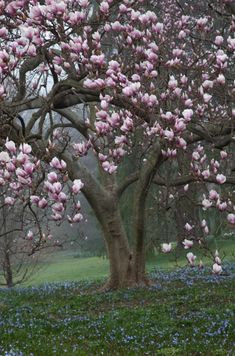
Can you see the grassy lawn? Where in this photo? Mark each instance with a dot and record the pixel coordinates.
(64, 267)
(184, 312)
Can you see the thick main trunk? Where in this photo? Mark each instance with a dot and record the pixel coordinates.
(103, 198)
(123, 271)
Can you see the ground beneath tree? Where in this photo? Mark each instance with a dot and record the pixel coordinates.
(186, 312)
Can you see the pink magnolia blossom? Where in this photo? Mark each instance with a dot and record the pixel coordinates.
(4, 157)
(56, 217)
(10, 166)
(9, 201)
(109, 167)
(159, 27)
(10, 145)
(221, 79)
(207, 97)
(188, 227)
(83, 3)
(52, 177)
(219, 40)
(206, 174)
(213, 195)
(102, 128)
(57, 187)
(222, 206)
(231, 43)
(217, 260)
(49, 187)
(187, 244)
(98, 60)
(166, 247)
(203, 223)
(63, 165)
(56, 163)
(25, 148)
(77, 186)
(34, 199)
(187, 114)
(42, 203)
(29, 168)
(127, 125)
(220, 178)
(104, 7)
(191, 258)
(180, 125)
(78, 205)
(206, 203)
(223, 154)
(169, 135)
(231, 218)
(208, 84)
(128, 91)
(216, 269)
(21, 172)
(77, 217)
(196, 156)
(62, 197)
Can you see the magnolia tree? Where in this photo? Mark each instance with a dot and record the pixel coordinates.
(152, 73)
(29, 204)
(41, 197)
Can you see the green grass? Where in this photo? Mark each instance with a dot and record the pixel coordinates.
(62, 266)
(183, 313)
(226, 248)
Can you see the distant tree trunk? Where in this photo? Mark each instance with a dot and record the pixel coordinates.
(5, 251)
(7, 270)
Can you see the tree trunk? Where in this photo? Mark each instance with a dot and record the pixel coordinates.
(147, 173)
(7, 270)
(104, 200)
(123, 272)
